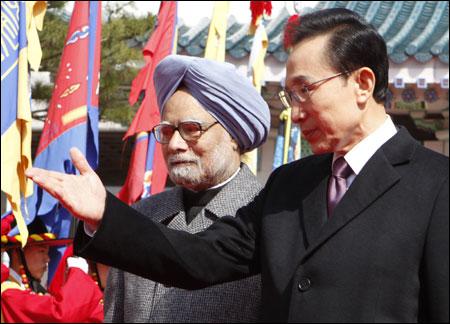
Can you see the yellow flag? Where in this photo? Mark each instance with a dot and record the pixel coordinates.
(256, 69)
(35, 21)
(257, 54)
(215, 44)
(20, 47)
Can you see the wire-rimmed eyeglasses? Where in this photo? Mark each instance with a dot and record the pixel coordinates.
(289, 97)
(189, 131)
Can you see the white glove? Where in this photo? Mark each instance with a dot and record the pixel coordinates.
(77, 262)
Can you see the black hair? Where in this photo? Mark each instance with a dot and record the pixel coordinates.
(37, 226)
(353, 43)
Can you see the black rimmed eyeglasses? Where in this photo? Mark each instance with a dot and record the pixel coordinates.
(189, 130)
(289, 97)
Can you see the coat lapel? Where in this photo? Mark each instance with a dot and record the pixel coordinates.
(377, 177)
(295, 226)
(314, 208)
(170, 204)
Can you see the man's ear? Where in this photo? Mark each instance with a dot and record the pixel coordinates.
(365, 84)
(234, 144)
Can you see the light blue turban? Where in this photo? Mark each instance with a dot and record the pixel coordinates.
(228, 96)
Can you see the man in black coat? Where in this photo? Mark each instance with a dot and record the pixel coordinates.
(356, 233)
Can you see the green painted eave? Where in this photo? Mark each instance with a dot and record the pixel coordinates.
(411, 29)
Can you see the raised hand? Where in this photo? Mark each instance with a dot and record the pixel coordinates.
(83, 195)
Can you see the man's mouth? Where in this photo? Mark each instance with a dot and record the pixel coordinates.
(181, 162)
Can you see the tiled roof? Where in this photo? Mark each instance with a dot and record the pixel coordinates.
(417, 29)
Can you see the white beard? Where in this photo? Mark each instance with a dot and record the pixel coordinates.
(195, 173)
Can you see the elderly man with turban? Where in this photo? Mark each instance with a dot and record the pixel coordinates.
(210, 115)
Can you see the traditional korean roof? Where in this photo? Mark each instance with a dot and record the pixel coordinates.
(411, 29)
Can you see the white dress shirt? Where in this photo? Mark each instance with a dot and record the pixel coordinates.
(358, 156)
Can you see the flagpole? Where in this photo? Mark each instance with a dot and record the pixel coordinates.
(73, 227)
(286, 117)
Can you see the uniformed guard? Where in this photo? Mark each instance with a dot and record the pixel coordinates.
(73, 295)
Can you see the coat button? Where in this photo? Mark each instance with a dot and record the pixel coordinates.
(304, 284)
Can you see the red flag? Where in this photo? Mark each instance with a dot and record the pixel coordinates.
(160, 45)
(147, 163)
(60, 274)
(134, 186)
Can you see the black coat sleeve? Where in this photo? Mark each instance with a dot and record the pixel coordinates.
(128, 240)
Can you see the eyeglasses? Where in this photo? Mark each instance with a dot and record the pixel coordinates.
(189, 130)
(289, 97)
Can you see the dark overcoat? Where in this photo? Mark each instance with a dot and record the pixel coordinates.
(382, 256)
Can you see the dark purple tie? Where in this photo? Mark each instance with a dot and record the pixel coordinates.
(337, 185)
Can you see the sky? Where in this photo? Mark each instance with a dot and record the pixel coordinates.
(190, 12)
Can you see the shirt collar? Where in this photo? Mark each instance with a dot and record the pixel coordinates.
(226, 181)
(222, 183)
(358, 156)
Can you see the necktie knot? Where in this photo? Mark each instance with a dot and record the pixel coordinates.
(341, 168)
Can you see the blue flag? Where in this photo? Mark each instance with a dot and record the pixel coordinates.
(72, 119)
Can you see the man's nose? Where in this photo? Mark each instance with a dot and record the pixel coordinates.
(298, 113)
(177, 143)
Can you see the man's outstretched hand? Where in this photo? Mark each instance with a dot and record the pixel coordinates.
(83, 195)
